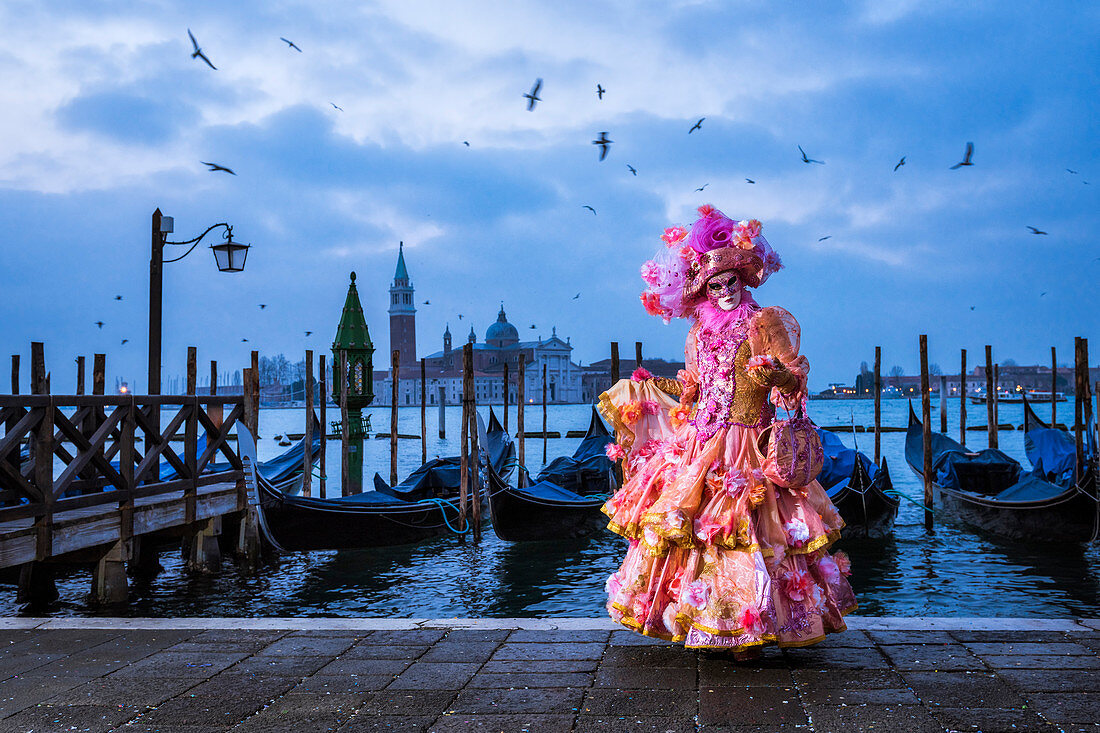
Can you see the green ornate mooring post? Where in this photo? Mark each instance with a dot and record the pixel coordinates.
(353, 344)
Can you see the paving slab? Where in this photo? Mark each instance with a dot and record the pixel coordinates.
(963, 689)
(551, 701)
(992, 720)
(751, 706)
(526, 722)
(607, 701)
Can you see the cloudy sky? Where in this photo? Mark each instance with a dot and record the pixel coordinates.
(107, 117)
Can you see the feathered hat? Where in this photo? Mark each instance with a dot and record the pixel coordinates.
(678, 274)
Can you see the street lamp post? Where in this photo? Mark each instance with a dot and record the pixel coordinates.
(228, 255)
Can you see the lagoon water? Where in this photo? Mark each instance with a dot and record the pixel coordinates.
(952, 571)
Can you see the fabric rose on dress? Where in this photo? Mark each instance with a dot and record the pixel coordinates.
(641, 604)
(674, 518)
(641, 374)
(615, 451)
(763, 360)
(706, 529)
(679, 415)
(828, 568)
(798, 585)
(758, 474)
(631, 413)
(673, 235)
(651, 538)
(797, 531)
(751, 620)
(843, 563)
(613, 585)
(669, 618)
(650, 407)
(698, 593)
(735, 482)
(675, 583)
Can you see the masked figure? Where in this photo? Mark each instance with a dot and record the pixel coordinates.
(719, 555)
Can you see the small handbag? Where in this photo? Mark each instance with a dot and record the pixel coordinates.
(792, 451)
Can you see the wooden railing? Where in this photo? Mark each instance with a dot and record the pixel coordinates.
(63, 453)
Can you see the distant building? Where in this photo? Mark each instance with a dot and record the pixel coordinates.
(596, 377)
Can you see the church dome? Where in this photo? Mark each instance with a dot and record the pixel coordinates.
(502, 332)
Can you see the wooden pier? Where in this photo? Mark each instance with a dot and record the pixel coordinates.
(76, 486)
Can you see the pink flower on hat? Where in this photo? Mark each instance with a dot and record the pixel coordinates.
(651, 272)
(652, 303)
(706, 210)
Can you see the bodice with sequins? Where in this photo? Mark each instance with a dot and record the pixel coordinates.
(727, 396)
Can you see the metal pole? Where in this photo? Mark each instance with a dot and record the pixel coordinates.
(156, 267)
(345, 459)
(926, 417)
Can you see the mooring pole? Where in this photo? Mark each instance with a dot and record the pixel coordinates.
(423, 411)
(1080, 394)
(1053, 387)
(943, 404)
(990, 393)
(996, 400)
(80, 375)
(475, 455)
(442, 412)
(256, 394)
(395, 377)
(521, 400)
(506, 396)
(544, 413)
(464, 453)
(962, 399)
(322, 395)
(878, 404)
(614, 362)
(307, 456)
(637, 354)
(345, 435)
(926, 417)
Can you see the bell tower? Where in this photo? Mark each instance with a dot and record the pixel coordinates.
(402, 312)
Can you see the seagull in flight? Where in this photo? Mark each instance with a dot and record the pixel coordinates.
(575, 297)
(966, 158)
(604, 143)
(749, 180)
(532, 96)
(972, 307)
(701, 187)
(244, 340)
(586, 206)
(532, 325)
(460, 316)
(215, 167)
(427, 302)
(198, 54)
(263, 305)
(309, 333)
(631, 169)
(100, 324)
(124, 342)
(290, 43)
(1071, 171)
(808, 159)
(599, 91)
(900, 164)
(336, 107)
(697, 126)
(1035, 231)
(827, 236)
(118, 297)
(466, 143)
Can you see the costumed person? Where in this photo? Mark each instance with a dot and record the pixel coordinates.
(728, 534)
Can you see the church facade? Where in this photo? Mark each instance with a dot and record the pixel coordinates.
(443, 369)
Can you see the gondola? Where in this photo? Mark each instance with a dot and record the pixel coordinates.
(861, 491)
(370, 519)
(588, 471)
(549, 510)
(439, 477)
(1053, 451)
(991, 491)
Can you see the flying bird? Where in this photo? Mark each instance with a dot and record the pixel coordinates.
(532, 325)
(336, 107)
(427, 302)
(1071, 171)
(244, 340)
(697, 126)
(604, 143)
(124, 341)
(1035, 231)
(100, 324)
(972, 307)
(631, 169)
(309, 333)
(532, 96)
(118, 297)
(749, 180)
(576, 296)
(466, 143)
(263, 305)
(966, 158)
(1042, 293)
(290, 43)
(701, 187)
(586, 206)
(807, 159)
(827, 236)
(460, 316)
(900, 164)
(198, 54)
(599, 91)
(215, 167)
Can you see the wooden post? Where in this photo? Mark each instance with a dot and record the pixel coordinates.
(990, 394)
(475, 456)
(307, 457)
(637, 354)
(255, 372)
(423, 411)
(878, 404)
(80, 375)
(1053, 386)
(345, 483)
(943, 404)
(15, 374)
(442, 412)
(323, 395)
(926, 417)
(962, 399)
(614, 362)
(214, 412)
(13, 457)
(192, 370)
(996, 400)
(506, 396)
(464, 453)
(38, 368)
(1080, 394)
(99, 373)
(246, 376)
(544, 414)
(395, 377)
(521, 400)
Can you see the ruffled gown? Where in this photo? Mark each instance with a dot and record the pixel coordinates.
(718, 556)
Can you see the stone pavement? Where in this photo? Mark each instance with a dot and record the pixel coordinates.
(357, 675)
